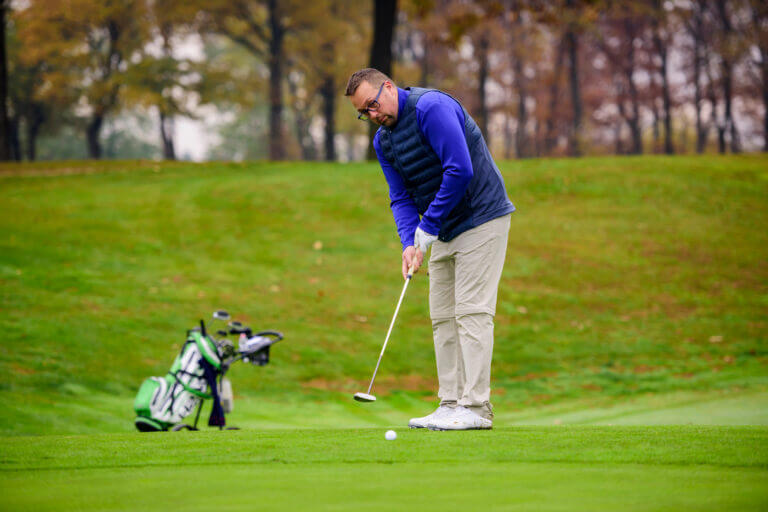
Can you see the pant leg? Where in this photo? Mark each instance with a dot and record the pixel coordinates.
(450, 367)
(476, 342)
(480, 254)
(450, 371)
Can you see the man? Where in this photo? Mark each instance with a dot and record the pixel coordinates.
(446, 192)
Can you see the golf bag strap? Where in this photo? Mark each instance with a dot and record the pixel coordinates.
(216, 419)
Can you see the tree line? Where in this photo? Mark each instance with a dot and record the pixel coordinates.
(541, 78)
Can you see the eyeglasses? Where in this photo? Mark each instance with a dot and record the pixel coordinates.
(373, 105)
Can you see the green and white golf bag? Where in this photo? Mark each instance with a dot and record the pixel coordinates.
(197, 374)
(163, 402)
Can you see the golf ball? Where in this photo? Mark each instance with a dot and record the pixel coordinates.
(390, 435)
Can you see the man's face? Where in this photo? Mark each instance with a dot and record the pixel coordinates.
(381, 110)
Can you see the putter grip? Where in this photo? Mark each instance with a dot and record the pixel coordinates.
(411, 270)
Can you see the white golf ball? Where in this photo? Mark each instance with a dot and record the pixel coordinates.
(390, 435)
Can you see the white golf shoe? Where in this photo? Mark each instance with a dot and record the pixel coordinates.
(423, 422)
(460, 418)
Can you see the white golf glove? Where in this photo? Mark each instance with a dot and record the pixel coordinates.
(422, 240)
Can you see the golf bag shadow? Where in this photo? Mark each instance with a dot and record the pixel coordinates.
(197, 374)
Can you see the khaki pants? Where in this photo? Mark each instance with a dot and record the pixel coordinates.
(463, 283)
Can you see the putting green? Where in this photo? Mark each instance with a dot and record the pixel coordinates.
(547, 468)
(402, 486)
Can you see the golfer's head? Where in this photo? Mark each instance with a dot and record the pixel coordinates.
(374, 96)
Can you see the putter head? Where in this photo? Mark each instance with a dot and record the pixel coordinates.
(364, 397)
(221, 315)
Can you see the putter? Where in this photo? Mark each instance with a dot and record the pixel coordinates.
(367, 396)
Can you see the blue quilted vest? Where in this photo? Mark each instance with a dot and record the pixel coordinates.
(409, 153)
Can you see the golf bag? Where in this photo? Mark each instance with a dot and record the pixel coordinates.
(197, 374)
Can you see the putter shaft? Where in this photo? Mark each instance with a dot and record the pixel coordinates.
(391, 324)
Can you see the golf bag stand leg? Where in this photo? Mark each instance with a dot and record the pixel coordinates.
(197, 416)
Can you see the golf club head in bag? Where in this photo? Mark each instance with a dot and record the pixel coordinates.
(255, 349)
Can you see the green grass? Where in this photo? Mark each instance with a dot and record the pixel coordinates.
(566, 468)
(624, 277)
(631, 328)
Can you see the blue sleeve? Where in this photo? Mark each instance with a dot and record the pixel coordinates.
(441, 120)
(403, 208)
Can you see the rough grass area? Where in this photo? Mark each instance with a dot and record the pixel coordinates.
(635, 293)
(525, 468)
(625, 278)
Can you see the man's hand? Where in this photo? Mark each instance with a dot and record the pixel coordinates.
(411, 255)
(422, 240)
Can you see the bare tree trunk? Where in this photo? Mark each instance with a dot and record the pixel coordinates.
(722, 146)
(572, 43)
(166, 121)
(328, 93)
(683, 146)
(166, 136)
(482, 78)
(718, 120)
(13, 139)
(5, 147)
(669, 147)
(550, 137)
(656, 121)
(695, 28)
(35, 120)
(619, 85)
(277, 30)
(521, 142)
(618, 149)
(727, 72)
(701, 132)
(92, 132)
(574, 148)
(384, 20)
(730, 122)
(634, 97)
(715, 118)
(662, 50)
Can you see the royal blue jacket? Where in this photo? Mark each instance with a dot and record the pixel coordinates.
(438, 166)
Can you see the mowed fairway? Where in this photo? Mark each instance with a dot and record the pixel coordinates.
(630, 361)
(525, 468)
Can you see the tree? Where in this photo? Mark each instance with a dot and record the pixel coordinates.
(698, 31)
(89, 46)
(259, 26)
(728, 57)
(170, 79)
(320, 59)
(5, 149)
(661, 41)
(759, 18)
(571, 41)
(384, 21)
(619, 39)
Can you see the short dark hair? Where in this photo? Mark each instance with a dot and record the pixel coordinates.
(370, 75)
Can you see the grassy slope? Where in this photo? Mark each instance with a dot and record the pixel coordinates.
(566, 468)
(625, 277)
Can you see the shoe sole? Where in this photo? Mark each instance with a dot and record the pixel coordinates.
(440, 429)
